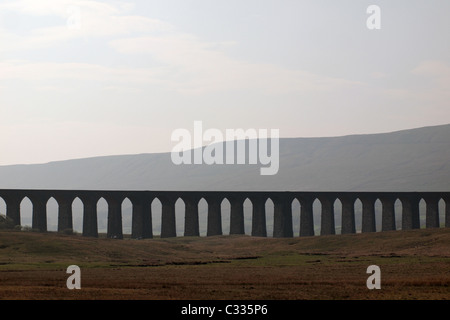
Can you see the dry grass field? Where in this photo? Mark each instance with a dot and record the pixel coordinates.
(414, 265)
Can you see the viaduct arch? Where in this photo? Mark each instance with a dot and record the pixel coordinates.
(282, 215)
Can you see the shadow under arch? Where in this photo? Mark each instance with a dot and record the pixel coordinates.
(114, 228)
(141, 216)
(191, 216)
(259, 214)
(306, 218)
(388, 212)
(90, 205)
(214, 226)
(39, 211)
(409, 212)
(368, 213)
(168, 218)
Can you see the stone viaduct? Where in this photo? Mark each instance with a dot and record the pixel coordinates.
(282, 216)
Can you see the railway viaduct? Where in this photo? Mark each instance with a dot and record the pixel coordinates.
(282, 217)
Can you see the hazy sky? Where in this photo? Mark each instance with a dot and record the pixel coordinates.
(89, 78)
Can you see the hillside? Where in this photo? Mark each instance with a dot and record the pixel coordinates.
(408, 160)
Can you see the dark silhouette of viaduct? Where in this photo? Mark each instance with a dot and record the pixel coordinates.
(282, 216)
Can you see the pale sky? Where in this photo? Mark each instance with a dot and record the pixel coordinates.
(90, 78)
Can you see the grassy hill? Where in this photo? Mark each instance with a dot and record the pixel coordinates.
(407, 160)
(414, 265)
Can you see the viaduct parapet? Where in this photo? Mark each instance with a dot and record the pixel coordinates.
(282, 216)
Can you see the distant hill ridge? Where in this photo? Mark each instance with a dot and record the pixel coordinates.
(407, 160)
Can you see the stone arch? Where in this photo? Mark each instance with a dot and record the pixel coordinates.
(156, 208)
(422, 212)
(337, 214)
(180, 213)
(26, 212)
(2, 206)
(102, 216)
(378, 208)
(358, 215)
(77, 214)
(398, 208)
(52, 214)
(225, 209)
(248, 213)
(317, 216)
(295, 208)
(441, 206)
(10, 207)
(127, 214)
(446, 210)
(270, 209)
(203, 216)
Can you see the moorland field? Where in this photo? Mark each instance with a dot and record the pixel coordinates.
(414, 265)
